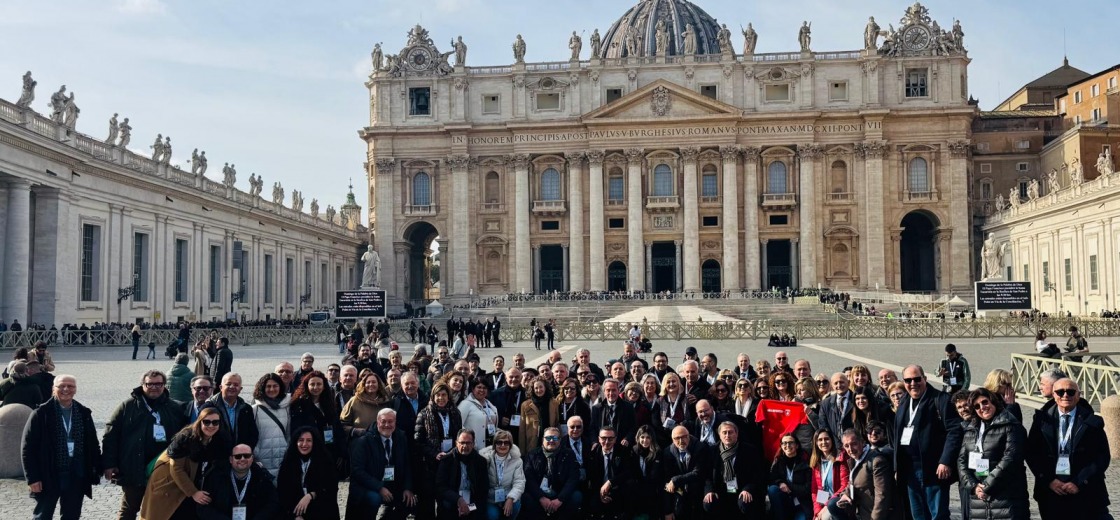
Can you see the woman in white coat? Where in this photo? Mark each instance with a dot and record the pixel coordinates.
(507, 477)
(270, 409)
(479, 415)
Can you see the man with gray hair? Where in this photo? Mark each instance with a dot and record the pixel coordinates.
(306, 366)
(1046, 382)
(61, 456)
(381, 474)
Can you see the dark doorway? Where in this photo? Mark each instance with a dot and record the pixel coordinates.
(552, 269)
(916, 252)
(779, 264)
(616, 277)
(710, 277)
(419, 281)
(664, 264)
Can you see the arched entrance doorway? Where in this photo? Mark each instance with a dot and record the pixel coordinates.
(917, 252)
(710, 276)
(616, 276)
(423, 267)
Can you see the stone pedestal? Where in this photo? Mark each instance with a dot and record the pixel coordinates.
(1110, 412)
(13, 418)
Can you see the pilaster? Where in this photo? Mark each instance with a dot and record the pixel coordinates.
(458, 273)
(875, 225)
(573, 272)
(637, 260)
(752, 258)
(691, 221)
(960, 279)
(597, 259)
(522, 280)
(730, 221)
(810, 156)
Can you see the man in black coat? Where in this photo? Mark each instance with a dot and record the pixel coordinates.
(1068, 453)
(380, 472)
(614, 412)
(579, 443)
(705, 427)
(836, 409)
(242, 484)
(736, 485)
(222, 361)
(551, 480)
(496, 378)
(507, 399)
(409, 401)
(927, 440)
(61, 456)
(239, 422)
(454, 501)
(609, 476)
(695, 388)
(687, 465)
(497, 332)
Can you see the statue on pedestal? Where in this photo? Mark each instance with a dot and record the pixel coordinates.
(1013, 197)
(314, 208)
(871, 34)
(519, 50)
(958, 35)
(661, 39)
(157, 148)
(724, 39)
(596, 44)
(1104, 163)
(114, 129)
(277, 194)
(992, 259)
(1052, 183)
(689, 36)
(330, 213)
(804, 36)
(71, 113)
(460, 52)
(376, 56)
(372, 268)
(630, 39)
(195, 161)
(229, 175)
(999, 202)
(1076, 174)
(126, 133)
(166, 150)
(1032, 189)
(575, 43)
(750, 39)
(58, 104)
(297, 201)
(27, 95)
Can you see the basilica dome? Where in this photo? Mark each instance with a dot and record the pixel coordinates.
(642, 19)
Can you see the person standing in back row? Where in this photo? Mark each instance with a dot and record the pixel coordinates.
(926, 444)
(221, 363)
(954, 371)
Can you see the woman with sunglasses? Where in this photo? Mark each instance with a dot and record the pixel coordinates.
(308, 483)
(781, 382)
(649, 486)
(569, 403)
(507, 477)
(791, 481)
(643, 413)
(313, 404)
(436, 426)
(746, 401)
(175, 487)
(830, 474)
(992, 460)
(999, 382)
(762, 388)
(719, 396)
(271, 406)
(538, 412)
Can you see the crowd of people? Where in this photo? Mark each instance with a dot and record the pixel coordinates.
(441, 437)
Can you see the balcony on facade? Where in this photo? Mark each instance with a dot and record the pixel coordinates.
(550, 208)
(662, 203)
(713, 200)
(919, 196)
(425, 210)
(841, 197)
(492, 207)
(778, 200)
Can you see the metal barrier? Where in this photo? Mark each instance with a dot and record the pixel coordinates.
(164, 337)
(1097, 375)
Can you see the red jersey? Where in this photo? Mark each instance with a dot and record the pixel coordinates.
(777, 418)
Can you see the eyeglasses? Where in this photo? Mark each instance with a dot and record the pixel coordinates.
(332, 370)
(604, 438)
(576, 427)
(789, 443)
(153, 385)
(211, 422)
(1063, 392)
(502, 443)
(721, 390)
(762, 387)
(912, 380)
(983, 403)
(780, 382)
(242, 456)
(201, 388)
(551, 438)
(875, 431)
(569, 389)
(782, 358)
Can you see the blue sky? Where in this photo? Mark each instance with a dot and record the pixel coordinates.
(275, 87)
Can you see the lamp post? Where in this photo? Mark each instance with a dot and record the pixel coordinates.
(237, 296)
(127, 292)
(304, 298)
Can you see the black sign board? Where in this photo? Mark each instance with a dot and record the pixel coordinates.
(360, 304)
(1003, 296)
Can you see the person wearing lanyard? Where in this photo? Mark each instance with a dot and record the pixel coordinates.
(790, 482)
(830, 475)
(308, 482)
(991, 460)
(551, 479)
(246, 494)
(507, 401)
(507, 477)
(173, 490)
(954, 370)
(870, 494)
(478, 414)
(1068, 453)
(435, 427)
(927, 441)
(381, 480)
(737, 479)
(462, 481)
(61, 456)
(570, 404)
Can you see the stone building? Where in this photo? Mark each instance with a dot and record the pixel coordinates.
(665, 157)
(93, 232)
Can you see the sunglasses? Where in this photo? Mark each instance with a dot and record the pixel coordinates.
(551, 438)
(781, 358)
(211, 422)
(1063, 392)
(502, 443)
(602, 438)
(912, 380)
(201, 388)
(981, 404)
(721, 390)
(780, 382)
(242, 456)
(875, 431)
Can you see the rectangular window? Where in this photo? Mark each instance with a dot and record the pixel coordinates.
(1111, 83)
(1077, 119)
(779, 220)
(710, 222)
(985, 167)
(420, 101)
(1094, 278)
(616, 223)
(1046, 275)
(917, 83)
(1022, 167)
(550, 225)
(709, 185)
(1077, 97)
(613, 94)
(1023, 144)
(986, 191)
(615, 188)
(1096, 114)
(140, 271)
(838, 91)
(709, 91)
(1095, 90)
(491, 104)
(777, 93)
(215, 274)
(982, 147)
(1026, 273)
(1022, 191)
(548, 101)
(269, 269)
(182, 262)
(1106, 149)
(1068, 275)
(289, 281)
(91, 263)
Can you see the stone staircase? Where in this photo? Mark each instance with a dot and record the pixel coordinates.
(736, 308)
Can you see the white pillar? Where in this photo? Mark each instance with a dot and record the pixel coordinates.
(44, 279)
(751, 256)
(384, 236)
(460, 269)
(875, 227)
(959, 278)
(637, 261)
(521, 259)
(730, 192)
(596, 206)
(573, 272)
(3, 248)
(691, 221)
(17, 261)
(678, 282)
(807, 208)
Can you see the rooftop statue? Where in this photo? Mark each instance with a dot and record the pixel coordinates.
(689, 36)
(126, 133)
(58, 104)
(724, 39)
(114, 129)
(596, 45)
(750, 39)
(519, 50)
(804, 36)
(575, 43)
(376, 56)
(27, 95)
(460, 52)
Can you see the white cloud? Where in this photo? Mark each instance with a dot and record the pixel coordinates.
(140, 7)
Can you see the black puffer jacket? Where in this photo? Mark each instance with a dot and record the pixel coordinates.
(1004, 446)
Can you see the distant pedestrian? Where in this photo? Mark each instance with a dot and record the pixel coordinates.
(221, 363)
(135, 340)
(151, 350)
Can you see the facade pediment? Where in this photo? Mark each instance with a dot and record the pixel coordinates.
(661, 99)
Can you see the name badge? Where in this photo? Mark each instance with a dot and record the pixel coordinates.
(158, 433)
(499, 494)
(669, 422)
(977, 462)
(240, 513)
(515, 420)
(390, 474)
(328, 436)
(445, 446)
(70, 448)
(907, 432)
(545, 488)
(952, 381)
(732, 485)
(796, 502)
(822, 497)
(471, 507)
(1063, 466)
(491, 429)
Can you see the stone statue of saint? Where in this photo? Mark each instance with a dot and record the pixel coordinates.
(596, 45)
(259, 187)
(194, 162)
(575, 43)
(114, 129)
(519, 50)
(999, 202)
(229, 175)
(126, 133)
(1052, 183)
(58, 104)
(330, 213)
(202, 163)
(460, 52)
(661, 39)
(372, 267)
(631, 41)
(277, 193)
(1032, 189)
(958, 35)
(252, 184)
(157, 148)
(1104, 163)
(70, 119)
(1013, 197)
(166, 159)
(871, 34)
(689, 36)
(27, 95)
(750, 39)
(724, 39)
(376, 56)
(992, 258)
(804, 36)
(296, 202)
(1076, 174)
(314, 208)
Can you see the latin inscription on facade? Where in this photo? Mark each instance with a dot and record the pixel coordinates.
(690, 131)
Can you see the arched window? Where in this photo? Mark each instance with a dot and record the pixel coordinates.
(919, 175)
(421, 189)
(776, 178)
(709, 182)
(550, 184)
(492, 188)
(662, 181)
(839, 177)
(616, 187)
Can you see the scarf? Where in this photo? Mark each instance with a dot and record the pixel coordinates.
(273, 404)
(77, 429)
(542, 404)
(433, 423)
(727, 453)
(548, 456)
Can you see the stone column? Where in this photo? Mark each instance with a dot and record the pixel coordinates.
(960, 219)
(765, 264)
(384, 236)
(596, 205)
(403, 275)
(678, 282)
(875, 225)
(17, 259)
(810, 155)
(649, 266)
(564, 284)
(795, 259)
(523, 278)
(44, 274)
(459, 272)
(536, 274)
(637, 261)
(730, 194)
(753, 262)
(573, 271)
(691, 210)
(3, 246)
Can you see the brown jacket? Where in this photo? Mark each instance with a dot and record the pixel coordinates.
(873, 487)
(528, 437)
(172, 481)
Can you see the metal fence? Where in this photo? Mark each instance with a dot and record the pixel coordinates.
(164, 337)
(1096, 375)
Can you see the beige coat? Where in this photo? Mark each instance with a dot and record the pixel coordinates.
(172, 481)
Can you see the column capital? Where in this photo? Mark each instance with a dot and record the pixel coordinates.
(764, 241)
(689, 154)
(871, 149)
(19, 183)
(518, 160)
(634, 156)
(678, 243)
(649, 244)
(385, 165)
(459, 162)
(595, 157)
(730, 153)
(750, 153)
(810, 151)
(960, 148)
(575, 158)
(536, 247)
